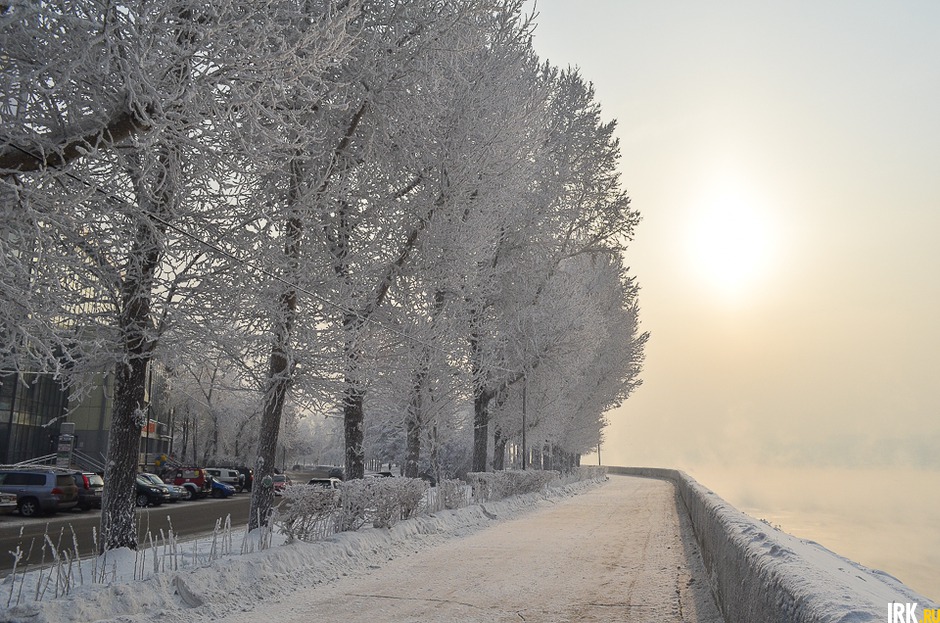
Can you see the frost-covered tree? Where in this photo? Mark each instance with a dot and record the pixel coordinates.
(120, 157)
(574, 206)
(378, 195)
(366, 207)
(584, 352)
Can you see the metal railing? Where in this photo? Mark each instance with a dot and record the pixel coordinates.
(80, 460)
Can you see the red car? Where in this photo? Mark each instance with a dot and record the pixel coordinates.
(194, 479)
(280, 481)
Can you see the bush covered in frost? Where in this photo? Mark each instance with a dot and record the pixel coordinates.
(452, 494)
(498, 485)
(586, 472)
(307, 512)
(381, 501)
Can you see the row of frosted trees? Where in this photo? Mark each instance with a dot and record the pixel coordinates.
(389, 210)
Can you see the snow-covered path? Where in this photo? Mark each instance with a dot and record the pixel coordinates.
(619, 552)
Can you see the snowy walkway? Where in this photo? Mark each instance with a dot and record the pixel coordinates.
(618, 552)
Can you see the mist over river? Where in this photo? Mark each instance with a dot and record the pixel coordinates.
(885, 518)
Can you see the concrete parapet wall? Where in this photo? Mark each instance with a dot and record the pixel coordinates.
(759, 573)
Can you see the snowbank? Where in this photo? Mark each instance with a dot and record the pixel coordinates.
(207, 592)
(759, 573)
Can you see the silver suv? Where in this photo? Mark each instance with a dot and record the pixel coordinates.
(39, 489)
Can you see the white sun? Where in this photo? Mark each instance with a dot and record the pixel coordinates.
(730, 243)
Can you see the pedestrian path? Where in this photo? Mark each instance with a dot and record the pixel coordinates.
(619, 552)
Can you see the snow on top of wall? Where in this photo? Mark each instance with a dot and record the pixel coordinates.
(813, 582)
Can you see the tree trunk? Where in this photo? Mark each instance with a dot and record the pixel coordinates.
(499, 450)
(135, 322)
(118, 517)
(262, 495)
(353, 396)
(413, 448)
(281, 367)
(195, 438)
(480, 430)
(352, 429)
(415, 421)
(435, 454)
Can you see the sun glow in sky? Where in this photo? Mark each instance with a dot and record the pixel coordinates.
(731, 243)
(784, 158)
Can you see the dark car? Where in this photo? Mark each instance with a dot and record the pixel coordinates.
(150, 493)
(39, 488)
(176, 493)
(248, 477)
(326, 483)
(90, 487)
(327, 471)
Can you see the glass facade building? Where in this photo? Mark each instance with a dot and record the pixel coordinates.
(31, 407)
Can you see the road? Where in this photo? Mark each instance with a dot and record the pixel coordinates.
(619, 552)
(188, 519)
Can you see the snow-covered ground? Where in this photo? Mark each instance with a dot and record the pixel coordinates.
(616, 553)
(616, 550)
(619, 551)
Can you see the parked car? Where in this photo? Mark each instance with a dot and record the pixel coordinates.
(221, 489)
(326, 483)
(327, 471)
(280, 482)
(39, 488)
(195, 479)
(227, 475)
(90, 487)
(176, 493)
(150, 493)
(7, 503)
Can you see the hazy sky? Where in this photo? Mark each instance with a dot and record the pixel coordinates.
(786, 160)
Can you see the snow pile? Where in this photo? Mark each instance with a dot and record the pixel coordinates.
(759, 573)
(227, 583)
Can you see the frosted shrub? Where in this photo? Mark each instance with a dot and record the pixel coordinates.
(384, 502)
(411, 493)
(356, 501)
(590, 472)
(305, 512)
(381, 501)
(452, 494)
(498, 485)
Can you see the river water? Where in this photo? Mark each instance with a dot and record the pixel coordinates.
(886, 519)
